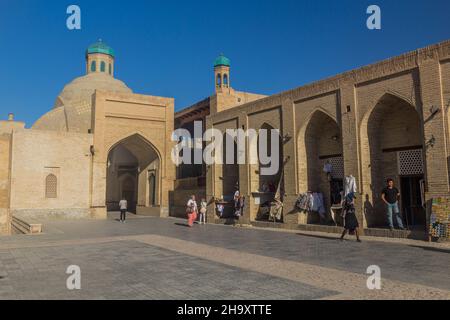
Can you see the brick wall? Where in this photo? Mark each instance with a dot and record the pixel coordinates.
(380, 106)
(5, 219)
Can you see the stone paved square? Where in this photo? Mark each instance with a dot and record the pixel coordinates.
(132, 270)
(154, 259)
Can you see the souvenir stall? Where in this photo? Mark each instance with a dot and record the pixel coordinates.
(312, 203)
(440, 220)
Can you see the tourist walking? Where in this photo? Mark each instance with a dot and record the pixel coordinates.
(390, 196)
(203, 210)
(351, 224)
(123, 205)
(236, 202)
(191, 210)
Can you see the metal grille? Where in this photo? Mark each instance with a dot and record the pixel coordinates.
(410, 162)
(338, 167)
(51, 186)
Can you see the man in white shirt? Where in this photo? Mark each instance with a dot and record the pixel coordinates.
(123, 209)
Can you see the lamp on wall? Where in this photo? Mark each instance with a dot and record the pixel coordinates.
(92, 150)
(434, 109)
(286, 138)
(431, 142)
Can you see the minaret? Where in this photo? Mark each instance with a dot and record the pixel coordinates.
(222, 74)
(100, 58)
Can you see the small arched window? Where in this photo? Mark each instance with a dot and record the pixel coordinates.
(102, 66)
(219, 80)
(51, 186)
(93, 66)
(110, 69)
(225, 80)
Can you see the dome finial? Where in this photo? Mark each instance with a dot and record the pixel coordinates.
(100, 47)
(221, 60)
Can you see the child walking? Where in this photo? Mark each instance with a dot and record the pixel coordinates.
(203, 210)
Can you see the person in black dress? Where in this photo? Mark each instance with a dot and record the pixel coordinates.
(350, 221)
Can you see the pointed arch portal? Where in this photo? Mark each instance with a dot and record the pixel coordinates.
(133, 173)
(392, 147)
(320, 145)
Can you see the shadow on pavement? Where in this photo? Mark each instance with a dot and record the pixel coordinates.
(318, 236)
(443, 250)
(181, 224)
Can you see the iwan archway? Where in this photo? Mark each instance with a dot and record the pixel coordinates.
(392, 147)
(133, 173)
(321, 164)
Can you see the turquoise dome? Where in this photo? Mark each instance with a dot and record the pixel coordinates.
(100, 47)
(222, 61)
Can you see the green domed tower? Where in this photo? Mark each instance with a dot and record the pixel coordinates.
(222, 73)
(100, 58)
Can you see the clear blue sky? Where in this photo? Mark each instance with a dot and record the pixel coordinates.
(168, 47)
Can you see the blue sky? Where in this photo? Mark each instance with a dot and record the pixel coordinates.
(167, 47)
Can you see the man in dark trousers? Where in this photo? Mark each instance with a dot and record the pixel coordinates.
(123, 204)
(390, 196)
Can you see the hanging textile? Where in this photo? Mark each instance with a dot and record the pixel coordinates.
(349, 185)
(220, 209)
(276, 210)
(311, 202)
(305, 202)
(318, 204)
(275, 207)
(328, 167)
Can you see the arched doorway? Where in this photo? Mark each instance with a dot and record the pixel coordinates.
(152, 188)
(228, 174)
(392, 147)
(269, 185)
(230, 170)
(133, 173)
(127, 185)
(321, 165)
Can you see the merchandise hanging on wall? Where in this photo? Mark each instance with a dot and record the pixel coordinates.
(440, 219)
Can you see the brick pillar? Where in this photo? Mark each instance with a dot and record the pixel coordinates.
(290, 169)
(98, 160)
(436, 165)
(5, 184)
(244, 174)
(210, 176)
(436, 156)
(350, 145)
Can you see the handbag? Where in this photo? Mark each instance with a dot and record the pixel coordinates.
(190, 210)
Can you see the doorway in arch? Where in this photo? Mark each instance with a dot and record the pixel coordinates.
(133, 173)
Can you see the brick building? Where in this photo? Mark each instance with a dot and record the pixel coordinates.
(386, 120)
(102, 142)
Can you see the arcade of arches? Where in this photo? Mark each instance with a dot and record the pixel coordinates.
(386, 120)
(391, 145)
